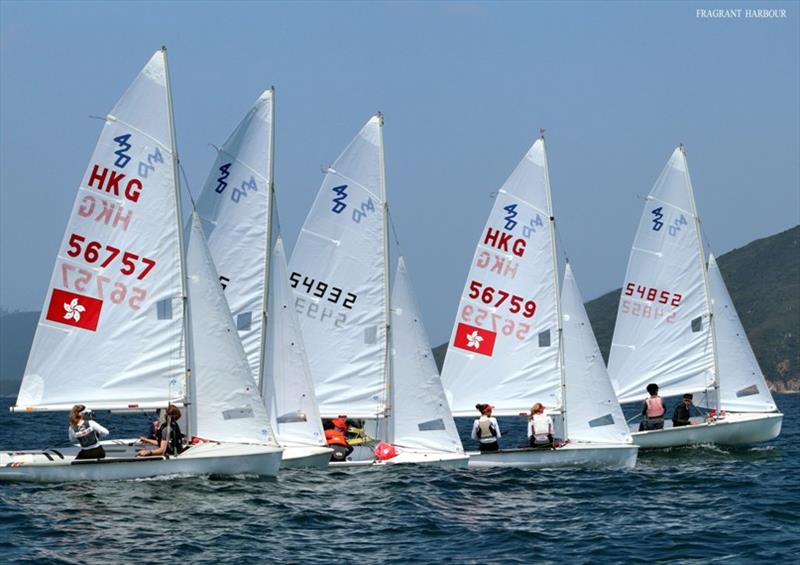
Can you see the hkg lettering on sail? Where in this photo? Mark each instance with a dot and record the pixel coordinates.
(495, 263)
(112, 182)
(504, 241)
(108, 213)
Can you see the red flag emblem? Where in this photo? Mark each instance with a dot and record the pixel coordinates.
(74, 310)
(476, 340)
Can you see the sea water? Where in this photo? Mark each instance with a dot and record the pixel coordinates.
(693, 505)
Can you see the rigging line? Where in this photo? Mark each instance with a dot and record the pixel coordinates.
(186, 184)
(394, 232)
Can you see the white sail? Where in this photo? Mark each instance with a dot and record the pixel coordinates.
(743, 387)
(504, 346)
(110, 332)
(662, 333)
(594, 414)
(420, 414)
(234, 205)
(337, 271)
(289, 389)
(225, 398)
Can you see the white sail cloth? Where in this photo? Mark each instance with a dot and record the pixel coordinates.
(110, 333)
(289, 389)
(662, 332)
(226, 402)
(743, 387)
(593, 412)
(234, 205)
(420, 414)
(498, 353)
(337, 271)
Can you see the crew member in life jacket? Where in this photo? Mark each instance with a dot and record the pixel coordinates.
(653, 410)
(169, 439)
(84, 431)
(485, 429)
(540, 427)
(336, 440)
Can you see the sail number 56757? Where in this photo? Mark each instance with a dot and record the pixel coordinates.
(91, 253)
(496, 297)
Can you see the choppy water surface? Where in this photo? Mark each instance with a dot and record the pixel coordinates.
(695, 505)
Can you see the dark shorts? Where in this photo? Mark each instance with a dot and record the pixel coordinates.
(652, 424)
(486, 447)
(93, 453)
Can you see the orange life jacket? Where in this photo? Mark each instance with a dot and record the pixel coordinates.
(340, 423)
(335, 437)
(655, 407)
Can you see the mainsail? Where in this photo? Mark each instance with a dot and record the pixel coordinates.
(504, 348)
(594, 413)
(226, 402)
(420, 415)
(662, 333)
(234, 206)
(338, 273)
(111, 330)
(743, 387)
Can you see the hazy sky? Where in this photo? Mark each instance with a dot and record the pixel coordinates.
(464, 86)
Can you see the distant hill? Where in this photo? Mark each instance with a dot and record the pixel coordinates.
(16, 335)
(763, 278)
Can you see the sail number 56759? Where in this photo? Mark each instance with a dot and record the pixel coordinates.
(496, 297)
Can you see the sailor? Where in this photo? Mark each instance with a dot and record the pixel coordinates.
(336, 441)
(84, 431)
(485, 429)
(653, 410)
(681, 415)
(540, 427)
(169, 439)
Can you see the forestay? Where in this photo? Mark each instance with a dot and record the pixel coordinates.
(594, 415)
(337, 271)
(743, 387)
(288, 388)
(225, 398)
(420, 415)
(234, 205)
(504, 346)
(110, 332)
(662, 333)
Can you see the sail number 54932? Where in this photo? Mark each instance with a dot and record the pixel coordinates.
(318, 289)
(496, 297)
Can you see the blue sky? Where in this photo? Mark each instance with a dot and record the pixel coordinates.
(464, 86)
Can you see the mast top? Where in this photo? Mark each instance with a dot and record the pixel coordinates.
(541, 133)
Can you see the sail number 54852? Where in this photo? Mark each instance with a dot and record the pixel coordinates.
(496, 297)
(653, 294)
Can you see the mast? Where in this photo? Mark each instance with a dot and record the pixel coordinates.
(188, 399)
(556, 288)
(704, 267)
(268, 238)
(388, 387)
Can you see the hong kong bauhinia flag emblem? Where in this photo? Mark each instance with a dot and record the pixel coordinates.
(74, 310)
(476, 340)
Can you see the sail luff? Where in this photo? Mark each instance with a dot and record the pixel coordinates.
(268, 246)
(389, 396)
(704, 267)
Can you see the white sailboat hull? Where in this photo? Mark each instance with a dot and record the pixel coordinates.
(210, 458)
(305, 456)
(571, 455)
(441, 459)
(733, 429)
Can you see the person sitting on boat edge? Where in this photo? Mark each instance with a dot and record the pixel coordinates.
(653, 410)
(337, 441)
(682, 413)
(84, 431)
(540, 427)
(486, 429)
(169, 439)
(152, 429)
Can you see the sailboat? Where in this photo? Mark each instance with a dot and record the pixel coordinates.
(130, 316)
(369, 356)
(677, 327)
(237, 206)
(516, 341)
